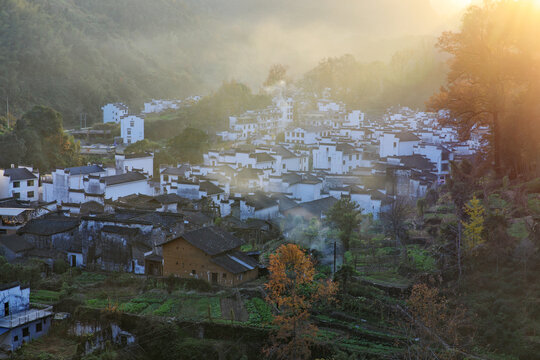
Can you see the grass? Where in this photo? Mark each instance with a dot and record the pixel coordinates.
(389, 278)
(48, 297)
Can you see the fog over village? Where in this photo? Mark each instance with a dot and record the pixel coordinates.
(269, 180)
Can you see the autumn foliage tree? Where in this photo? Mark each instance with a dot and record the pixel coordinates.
(292, 289)
(474, 226)
(494, 70)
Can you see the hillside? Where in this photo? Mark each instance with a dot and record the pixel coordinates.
(76, 55)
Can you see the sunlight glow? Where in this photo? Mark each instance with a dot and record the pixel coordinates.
(449, 7)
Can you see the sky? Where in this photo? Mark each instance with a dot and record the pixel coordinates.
(299, 33)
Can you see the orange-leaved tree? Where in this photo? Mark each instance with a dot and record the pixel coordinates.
(292, 289)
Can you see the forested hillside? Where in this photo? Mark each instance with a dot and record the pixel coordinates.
(76, 55)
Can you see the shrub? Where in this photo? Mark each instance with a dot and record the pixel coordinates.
(60, 266)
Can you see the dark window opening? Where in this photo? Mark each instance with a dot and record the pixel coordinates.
(25, 332)
(39, 327)
(6, 309)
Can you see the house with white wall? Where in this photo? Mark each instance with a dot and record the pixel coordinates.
(132, 128)
(397, 144)
(143, 163)
(113, 187)
(19, 322)
(20, 183)
(306, 135)
(112, 113)
(67, 185)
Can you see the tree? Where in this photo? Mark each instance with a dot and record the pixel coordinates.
(189, 145)
(395, 222)
(474, 227)
(276, 74)
(45, 144)
(492, 69)
(346, 217)
(293, 291)
(142, 146)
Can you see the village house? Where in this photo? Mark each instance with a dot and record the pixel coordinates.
(400, 144)
(20, 183)
(132, 128)
(19, 323)
(258, 206)
(143, 163)
(112, 113)
(211, 254)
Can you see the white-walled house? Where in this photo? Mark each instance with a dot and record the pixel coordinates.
(67, 185)
(258, 206)
(132, 128)
(143, 163)
(159, 105)
(400, 144)
(20, 323)
(307, 135)
(112, 113)
(115, 186)
(337, 158)
(20, 183)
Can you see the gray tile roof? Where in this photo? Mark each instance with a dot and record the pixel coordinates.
(212, 240)
(84, 170)
(123, 178)
(235, 262)
(49, 226)
(16, 174)
(15, 243)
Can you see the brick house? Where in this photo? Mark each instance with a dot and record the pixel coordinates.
(209, 253)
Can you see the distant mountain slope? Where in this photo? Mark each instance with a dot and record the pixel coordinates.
(76, 55)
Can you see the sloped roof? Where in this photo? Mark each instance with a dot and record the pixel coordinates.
(123, 178)
(84, 170)
(176, 170)
(19, 174)
(407, 136)
(48, 226)
(284, 202)
(260, 201)
(15, 243)
(235, 262)
(212, 240)
(210, 188)
(263, 157)
(284, 153)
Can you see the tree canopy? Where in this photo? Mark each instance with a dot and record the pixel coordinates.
(492, 80)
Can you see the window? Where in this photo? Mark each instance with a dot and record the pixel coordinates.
(357, 156)
(25, 332)
(283, 166)
(395, 145)
(30, 182)
(17, 195)
(16, 338)
(165, 178)
(343, 162)
(6, 309)
(30, 194)
(193, 272)
(224, 275)
(132, 123)
(39, 327)
(16, 184)
(129, 131)
(329, 159)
